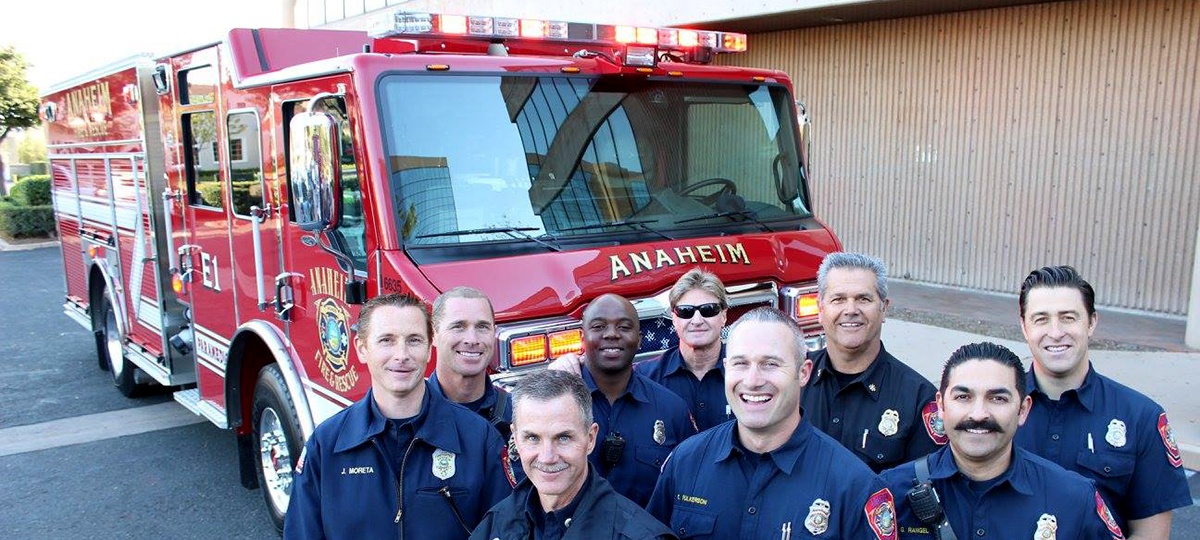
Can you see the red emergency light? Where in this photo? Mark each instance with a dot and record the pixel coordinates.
(642, 45)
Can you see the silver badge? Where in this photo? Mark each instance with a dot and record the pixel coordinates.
(889, 423)
(1047, 528)
(818, 517)
(443, 464)
(1116, 433)
(660, 432)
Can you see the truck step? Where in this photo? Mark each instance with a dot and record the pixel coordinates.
(191, 400)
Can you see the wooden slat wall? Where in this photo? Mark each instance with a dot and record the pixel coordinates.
(969, 148)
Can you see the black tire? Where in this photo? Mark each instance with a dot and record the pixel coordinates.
(110, 350)
(276, 431)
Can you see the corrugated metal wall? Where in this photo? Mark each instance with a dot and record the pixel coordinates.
(969, 148)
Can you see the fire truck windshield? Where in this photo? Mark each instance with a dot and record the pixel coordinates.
(575, 160)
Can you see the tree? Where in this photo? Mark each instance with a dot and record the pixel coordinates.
(18, 98)
(32, 149)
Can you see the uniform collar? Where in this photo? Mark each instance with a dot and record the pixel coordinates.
(1018, 475)
(1085, 394)
(490, 395)
(635, 389)
(785, 457)
(673, 361)
(873, 379)
(434, 424)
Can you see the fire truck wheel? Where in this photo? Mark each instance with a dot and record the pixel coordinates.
(111, 351)
(277, 430)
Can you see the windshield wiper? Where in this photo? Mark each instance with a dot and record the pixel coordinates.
(742, 213)
(635, 223)
(515, 232)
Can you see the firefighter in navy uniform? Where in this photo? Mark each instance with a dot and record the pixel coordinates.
(980, 485)
(694, 369)
(1088, 423)
(873, 404)
(770, 474)
(564, 498)
(401, 462)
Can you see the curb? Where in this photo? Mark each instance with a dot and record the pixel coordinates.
(1191, 456)
(5, 246)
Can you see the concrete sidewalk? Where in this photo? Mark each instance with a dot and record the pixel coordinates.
(1167, 377)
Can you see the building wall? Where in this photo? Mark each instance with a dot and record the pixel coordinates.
(969, 148)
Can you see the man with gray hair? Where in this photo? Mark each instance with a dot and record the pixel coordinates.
(563, 497)
(876, 406)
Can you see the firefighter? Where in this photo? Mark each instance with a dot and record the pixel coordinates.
(565, 497)
(875, 405)
(640, 420)
(464, 333)
(694, 369)
(401, 461)
(1087, 422)
(770, 474)
(980, 485)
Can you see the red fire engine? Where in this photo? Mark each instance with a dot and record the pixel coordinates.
(223, 211)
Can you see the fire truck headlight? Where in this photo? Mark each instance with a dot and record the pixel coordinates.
(566, 341)
(527, 350)
(639, 56)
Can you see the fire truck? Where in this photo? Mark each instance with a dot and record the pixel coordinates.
(224, 211)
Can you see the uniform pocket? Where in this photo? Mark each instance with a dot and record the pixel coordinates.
(880, 450)
(1111, 471)
(691, 523)
(652, 456)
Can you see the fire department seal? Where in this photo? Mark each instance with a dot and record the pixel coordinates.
(818, 517)
(1168, 439)
(1106, 516)
(443, 464)
(660, 432)
(1116, 433)
(881, 513)
(333, 328)
(1047, 528)
(934, 426)
(889, 423)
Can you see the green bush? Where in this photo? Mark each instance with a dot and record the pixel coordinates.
(32, 190)
(25, 221)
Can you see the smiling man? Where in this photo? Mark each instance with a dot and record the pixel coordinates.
(875, 405)
(464, 332)
(402, 461)
(980, 485)
(1089, 423)
(564, 498)
(770, 474)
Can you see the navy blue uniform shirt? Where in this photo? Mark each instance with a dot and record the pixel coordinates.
(498, 414)
(651, 419)
(811, 487)
(1032, 497)
(885, 415)
(599, 514)
(705, 397)
(1115, 436)
(347, 484)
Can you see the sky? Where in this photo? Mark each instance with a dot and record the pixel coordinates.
(66, 38)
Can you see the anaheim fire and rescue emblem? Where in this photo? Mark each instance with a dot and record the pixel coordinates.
(932, 418)
(818, 516)
(1106, 516)
(1116, 433)
(443, 464)
(1168, 439)
(889, 423)
(333, 328)
(881, 511)
(660, 432)
(1047, 528)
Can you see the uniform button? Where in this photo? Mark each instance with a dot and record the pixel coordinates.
(1055, 436)
(703, 406)
(1108, 469)
(980, 532)
(837, 420)
(752, 510)
(879, 457)
(682, 532)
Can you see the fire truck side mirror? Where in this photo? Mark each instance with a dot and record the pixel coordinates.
(315, 168)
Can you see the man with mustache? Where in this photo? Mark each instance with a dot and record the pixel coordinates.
(402, 461)
(875, 405)
(980, 484)
(1089, 423)
(769, 474)
(564, 498)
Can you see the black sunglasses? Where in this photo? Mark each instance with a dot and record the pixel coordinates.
(706, 310)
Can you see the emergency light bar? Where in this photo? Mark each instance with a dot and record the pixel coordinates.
(640, 43)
